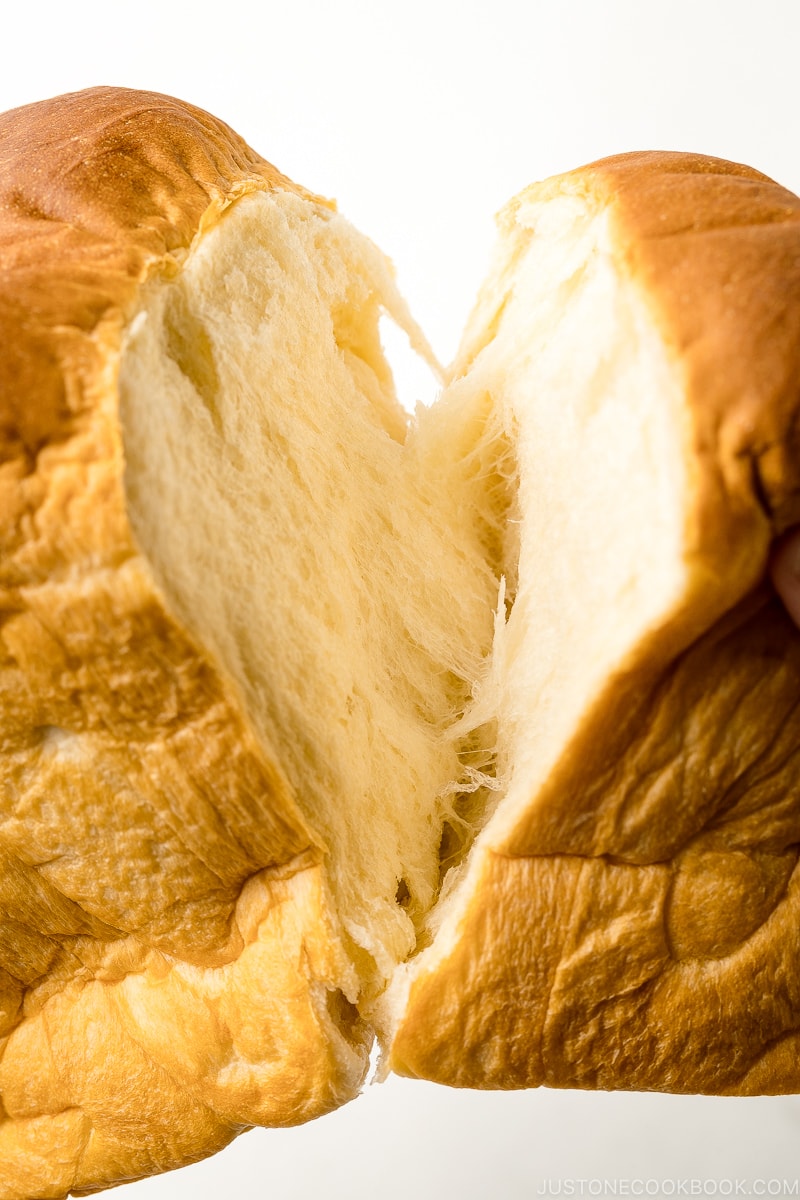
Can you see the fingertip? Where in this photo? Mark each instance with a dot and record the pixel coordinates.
(784, 567)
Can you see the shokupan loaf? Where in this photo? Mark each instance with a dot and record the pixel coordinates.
(478, 730)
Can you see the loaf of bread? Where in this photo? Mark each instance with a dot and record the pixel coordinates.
(478, 732)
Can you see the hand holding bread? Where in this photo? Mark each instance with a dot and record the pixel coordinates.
(476, 732)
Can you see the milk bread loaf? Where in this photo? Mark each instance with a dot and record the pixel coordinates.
(478, 730)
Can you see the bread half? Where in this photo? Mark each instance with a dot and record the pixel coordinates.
(476, 730)
(628, 917)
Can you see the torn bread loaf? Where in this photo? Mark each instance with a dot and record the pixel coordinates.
(233, 654)
(629, 915)
(477, 730)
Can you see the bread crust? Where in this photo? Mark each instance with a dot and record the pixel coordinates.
(635, 925)
(156, 867)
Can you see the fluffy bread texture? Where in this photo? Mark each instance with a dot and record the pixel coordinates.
(478, 730)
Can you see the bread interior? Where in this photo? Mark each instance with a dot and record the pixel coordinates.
(341, 567)
(417, 614)
(594, 555)
(569, 349)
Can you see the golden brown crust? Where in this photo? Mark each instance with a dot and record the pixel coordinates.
(154, 859)
(636, 928)
(713, 246)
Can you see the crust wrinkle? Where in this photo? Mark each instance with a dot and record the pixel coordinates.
(595, 1006)
(279, 1061)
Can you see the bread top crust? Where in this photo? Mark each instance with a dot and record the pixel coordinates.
(97, 189)
(714, 246)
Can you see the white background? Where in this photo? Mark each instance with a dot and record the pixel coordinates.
(422, 119)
